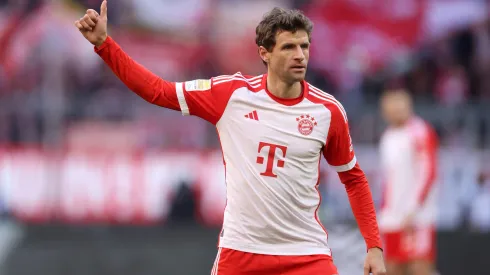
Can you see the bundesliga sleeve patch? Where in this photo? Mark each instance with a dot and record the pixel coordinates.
(198, 85)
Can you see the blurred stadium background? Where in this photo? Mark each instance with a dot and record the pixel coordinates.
(93, 180)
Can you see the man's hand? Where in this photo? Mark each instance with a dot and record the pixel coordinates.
(408, 224)
(374, 262)
(94, 26)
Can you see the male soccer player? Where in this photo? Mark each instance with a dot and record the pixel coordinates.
(273, 130)
(408, 155)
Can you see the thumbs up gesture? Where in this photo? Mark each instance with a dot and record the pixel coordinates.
(94, 26)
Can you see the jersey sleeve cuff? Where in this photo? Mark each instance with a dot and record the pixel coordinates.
(346, 167)
(179, 88)
(108, 41)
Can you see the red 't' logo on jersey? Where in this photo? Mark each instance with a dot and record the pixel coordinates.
(306, 123)
(271, 158)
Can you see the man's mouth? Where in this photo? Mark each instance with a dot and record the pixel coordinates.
(298, 67)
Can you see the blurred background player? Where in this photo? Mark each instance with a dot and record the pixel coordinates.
(408, 157)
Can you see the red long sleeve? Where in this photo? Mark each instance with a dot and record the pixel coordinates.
(137, 78)
(362, 204)
(427, 148)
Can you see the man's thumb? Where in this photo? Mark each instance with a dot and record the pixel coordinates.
(103, 9)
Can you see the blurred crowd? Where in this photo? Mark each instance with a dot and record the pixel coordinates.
(53, 87)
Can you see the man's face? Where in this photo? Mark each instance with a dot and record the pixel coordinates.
(396, 109)
(289, 57)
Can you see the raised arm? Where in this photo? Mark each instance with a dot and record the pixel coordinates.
(137, 78)
(205, 98)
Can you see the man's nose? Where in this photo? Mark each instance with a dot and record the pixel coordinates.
(299, 54)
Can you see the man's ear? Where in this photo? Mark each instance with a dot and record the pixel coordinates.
(264, 54)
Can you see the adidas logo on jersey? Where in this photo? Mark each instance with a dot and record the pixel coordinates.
(253, 115)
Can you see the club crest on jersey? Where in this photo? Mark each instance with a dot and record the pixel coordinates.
(306, 123)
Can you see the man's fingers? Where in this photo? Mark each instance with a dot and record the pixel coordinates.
(92, 11)
(89, 21)
(85, 25)
(103, 9)
(366, 270)
(92, 14)
(79, 26)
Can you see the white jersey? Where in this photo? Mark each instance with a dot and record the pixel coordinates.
(272, 149)
(408, 158)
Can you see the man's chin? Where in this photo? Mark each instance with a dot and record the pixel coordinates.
(298, 77)
(292, 78)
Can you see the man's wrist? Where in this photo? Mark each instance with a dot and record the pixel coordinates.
(375, 248)
(101, 42)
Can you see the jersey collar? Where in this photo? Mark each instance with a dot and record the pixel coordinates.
(286, 101)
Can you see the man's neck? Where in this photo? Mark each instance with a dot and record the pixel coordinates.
(281, 89)
(402, 123)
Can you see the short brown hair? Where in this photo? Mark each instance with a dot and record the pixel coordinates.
(277, 20)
